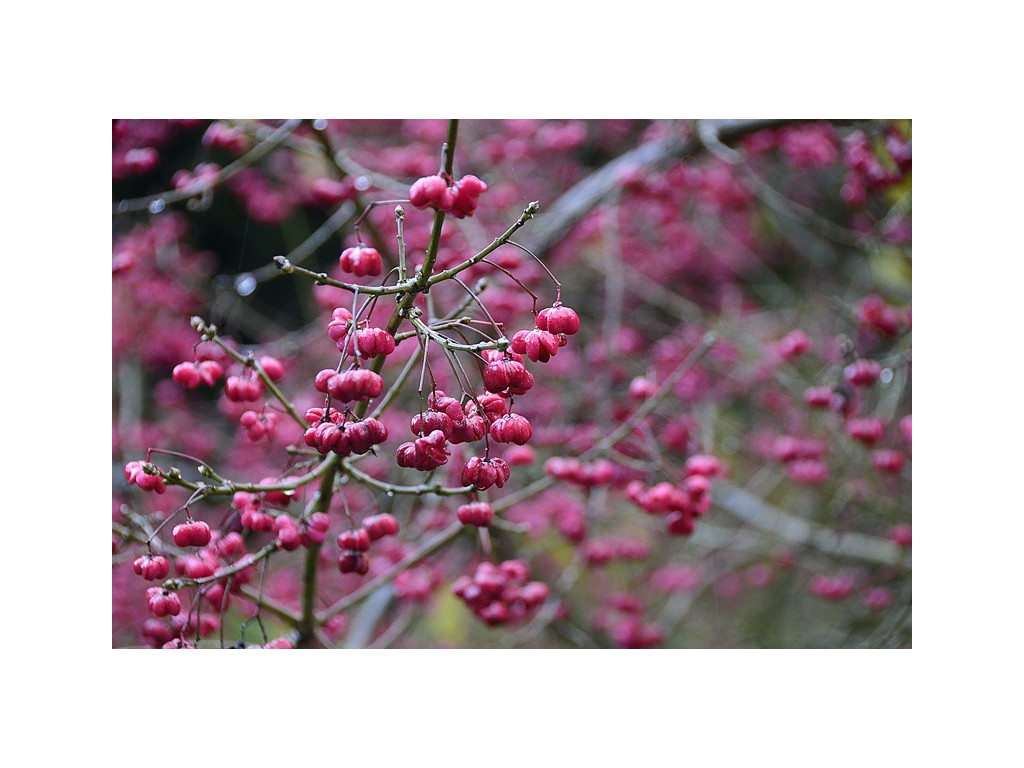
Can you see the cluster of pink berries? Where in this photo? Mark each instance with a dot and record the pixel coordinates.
(191, 375)
(355, 543)
(621, 619)
(252, 506)
(682, 504)
(803, 457)
(554, 326)
(291, 533)
(586, 474)
(458, 199)
(499, 594)
(355, 384)
(330, 431)
(865, 172)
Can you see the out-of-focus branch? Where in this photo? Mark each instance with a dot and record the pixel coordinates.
(576, 202)
(756, 512)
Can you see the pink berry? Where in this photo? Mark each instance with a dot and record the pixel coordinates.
(538, 345)
(431, 192)
(558, 319)
(152, 567)
(379, 526)
(512, 428)
(357, 539)
(135, 473)
(862, 373)
(361, 260)
(887, 460)
(868, 430)
(478, 513)
(194, 533)
(354, 562)
(794, 344)
(272, 367)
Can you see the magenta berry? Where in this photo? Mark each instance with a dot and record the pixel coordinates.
(379, 526)
(287, 531)
(152, 567)
(558, 319)
(355, 384)
(431, 192)
(794, 344)
(163, 602)
(511, 428)
(862, 373)
(478, 513)
(424, 453)
(135, 473)
(430, 421)
(538, 345)
(243, 389)
(483, 473)
(194, 533)
(703, 464)
(465, 196)
(868, 430)
(273, 367)
(887, 460)
(507, 376)
(351, 561)
(357, 539)
(361, 260)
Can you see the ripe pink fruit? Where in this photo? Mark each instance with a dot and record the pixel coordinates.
(901, 535)
(537, 344)
(868, 430)
(163, 602)
(703, 464)
(558, 319)
(194, 533)
(877, 598)
(431, 192)
(355, 384)
(807, 471)
(361, 260)
(152, 567)
(135, 473)
(887, 460)
(372, 342)
(288, 535)
(465, 196)
(429, 421)
(424, 453)
(379, 526)
(243, 389)
(351, 561)
(507, 376)
(186, 374)
(478, 513)
(357, 539)
(272, 367)
(794, 344)
(512, 428)
(819, 397)
(483, 473)
(862, 373)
